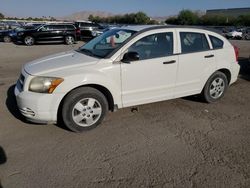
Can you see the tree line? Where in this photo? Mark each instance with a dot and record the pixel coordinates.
(185, 17)
(133, 18)
(188, 17)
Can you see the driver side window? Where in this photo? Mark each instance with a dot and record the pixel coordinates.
(46, 28)
(153, 46)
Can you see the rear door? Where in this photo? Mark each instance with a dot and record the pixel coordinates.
(57, 32)
(196, 62)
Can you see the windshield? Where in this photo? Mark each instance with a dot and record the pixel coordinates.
(106, 43)
(19, 29)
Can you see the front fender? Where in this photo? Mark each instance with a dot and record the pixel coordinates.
(93, 78)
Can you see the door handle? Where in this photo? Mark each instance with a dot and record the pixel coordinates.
(169, 62)
(209, 56)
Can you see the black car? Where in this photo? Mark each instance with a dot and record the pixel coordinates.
(49, 33)
(10, 35)
(246, 34)
(88, 29)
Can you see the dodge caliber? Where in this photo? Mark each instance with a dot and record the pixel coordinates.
(126, 67)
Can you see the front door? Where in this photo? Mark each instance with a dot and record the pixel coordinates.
(152, 77)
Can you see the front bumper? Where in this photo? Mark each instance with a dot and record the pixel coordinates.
(38, 107)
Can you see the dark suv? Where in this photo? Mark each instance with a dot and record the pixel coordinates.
(246, 34)
(88, 29)
(49, 33)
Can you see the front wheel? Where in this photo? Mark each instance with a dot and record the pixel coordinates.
(7, 39)
(29, 41)
(215, 87)
(84, 109)
(69, 40)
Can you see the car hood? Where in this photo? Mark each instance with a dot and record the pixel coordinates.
(4, 31)
(60, 61)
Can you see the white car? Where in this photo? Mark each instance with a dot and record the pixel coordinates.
(126, 67)
(234, 34)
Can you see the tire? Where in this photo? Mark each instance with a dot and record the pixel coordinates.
(29, 40)
(7, 39)
(215, 87)
(84, 109)
(69, 40)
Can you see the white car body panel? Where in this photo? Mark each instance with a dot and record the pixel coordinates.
(150, 80)
(130, 84)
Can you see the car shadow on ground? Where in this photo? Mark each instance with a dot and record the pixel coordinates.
(244, 68)
(11, 104)
(3, 159)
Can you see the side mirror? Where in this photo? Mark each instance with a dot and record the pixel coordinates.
(130, 56)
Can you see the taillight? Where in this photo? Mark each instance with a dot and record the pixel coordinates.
(236, 51)
(78, 31)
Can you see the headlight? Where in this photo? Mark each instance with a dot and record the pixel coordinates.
(20, 33)
(44, 84)
(94, 33)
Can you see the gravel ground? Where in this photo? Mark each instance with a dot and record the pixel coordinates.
(176, 143)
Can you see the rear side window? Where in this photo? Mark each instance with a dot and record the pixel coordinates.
(70, 27)
(217, 43)
(58, 27)
(193, 42)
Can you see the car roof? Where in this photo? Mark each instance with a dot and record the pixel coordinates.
(142, 28)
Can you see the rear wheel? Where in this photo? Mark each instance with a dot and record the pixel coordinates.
(29, 41)
(7, 39)
(69, 40)
(84, 109)
(215, 87)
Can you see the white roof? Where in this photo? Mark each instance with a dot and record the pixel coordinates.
(138, 27)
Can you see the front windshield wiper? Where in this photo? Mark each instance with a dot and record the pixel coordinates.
(88, 52)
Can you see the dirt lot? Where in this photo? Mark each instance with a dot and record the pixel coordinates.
(177, 143)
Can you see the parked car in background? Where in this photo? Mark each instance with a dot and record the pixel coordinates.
(99, 32)
(126, 67)
(49, 33)
(234, 34)
(10, 35)
(3, 26)
(88, 29)
(246, 34)
(12, 24)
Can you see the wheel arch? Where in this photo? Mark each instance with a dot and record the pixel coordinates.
(100, 88)
(227, 73)
(224, 71)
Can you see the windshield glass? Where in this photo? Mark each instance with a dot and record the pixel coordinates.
(106, 43)
(19, 29)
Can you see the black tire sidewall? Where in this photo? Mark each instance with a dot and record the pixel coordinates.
(206, 92)
(74, 97)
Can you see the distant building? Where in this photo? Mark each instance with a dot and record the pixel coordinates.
(234, 12)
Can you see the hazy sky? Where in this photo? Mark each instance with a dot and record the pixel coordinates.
(40, 8)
